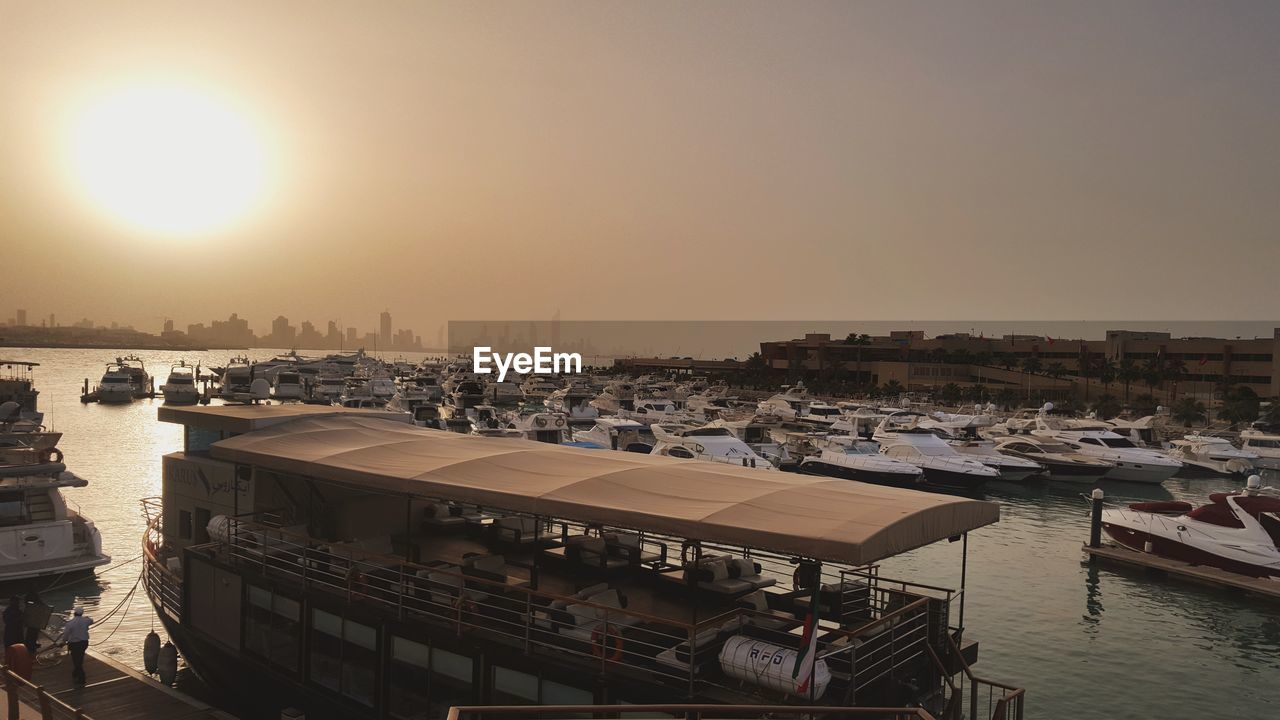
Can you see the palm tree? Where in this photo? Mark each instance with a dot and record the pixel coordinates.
(1006, 360)
(1031, 364)
(1173, 370)
(892, 388)
(1006, 398)
(1106, 368)
(1107, 406)
(1145, 404)
(1188, 411)
(1126, 372)
(858, 340)
(950, 394)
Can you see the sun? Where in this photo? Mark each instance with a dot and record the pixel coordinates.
(169, 160)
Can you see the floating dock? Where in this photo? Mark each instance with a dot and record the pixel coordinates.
(113, 691)
(1216, 577)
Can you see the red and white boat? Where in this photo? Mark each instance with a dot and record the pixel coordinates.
(1239, 532)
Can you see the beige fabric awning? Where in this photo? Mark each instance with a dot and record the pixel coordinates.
(824, 518)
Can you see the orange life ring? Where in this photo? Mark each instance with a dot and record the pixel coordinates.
(51, 455)
(600, 639)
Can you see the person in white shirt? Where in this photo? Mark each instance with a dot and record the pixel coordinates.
(76, 635)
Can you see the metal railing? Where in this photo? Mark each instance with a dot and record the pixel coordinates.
(19, 690)
(163, 586)
(689, 712)
(1003, 702)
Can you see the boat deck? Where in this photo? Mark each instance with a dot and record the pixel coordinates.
(1216, 577)
(118, 692)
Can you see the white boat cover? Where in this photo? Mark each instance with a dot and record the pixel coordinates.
(822, 518)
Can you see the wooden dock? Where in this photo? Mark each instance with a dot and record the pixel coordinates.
(113, 691)
(1204, 575)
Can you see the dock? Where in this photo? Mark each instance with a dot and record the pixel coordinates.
(1202, 574)
(113, 691)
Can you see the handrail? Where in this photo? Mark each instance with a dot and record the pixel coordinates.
(1013, 698)
(49, 706)
(688, 711)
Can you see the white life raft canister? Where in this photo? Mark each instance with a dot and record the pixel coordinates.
(769, 666)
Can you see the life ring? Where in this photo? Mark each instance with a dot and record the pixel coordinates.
(51, 455)
(600, 640)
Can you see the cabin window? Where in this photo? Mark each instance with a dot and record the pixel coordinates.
(452, 678)
(344, 655)
(199, 439)
(679, 452)
(554, 693)
(272, 628)
(184, 524)
(200, 533)
(410, 670)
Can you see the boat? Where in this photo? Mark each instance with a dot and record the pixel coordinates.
(962, 433)
(855, 459)
(180, 387)
(328, 388)
(612, 433)
(1132, 464)
(711, 444)
(536, 388)
(902, 439)
(616, 396)
(1238, 532)
(18, 386)
(43, 539)
(236, 377)
(1265, 445)
(286, 384)
(443, 569)
(790, 404)
(545, 427)
(1060, 461)
(116, 385)
(1202, 454)
(757, 432)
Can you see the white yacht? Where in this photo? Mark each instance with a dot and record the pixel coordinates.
(617, 434)
(1059, 461)
(328, 387)
(180, 387)
(1263, 444)
(854, 459)
(1132, 463)
(286, 384)
(961, 432)
(382, 386)
(504, 393)
(617, 395)
(1142, 432)
(236, 377)
(116, 385)
(757, 432)
(537, 388)
(42, 539)
(821, 413)
(575, 401)
(1216, 455)
(547, 427)
(901, 439)
(789, 404)
(713, 444)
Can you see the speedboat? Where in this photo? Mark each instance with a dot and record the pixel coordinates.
(1216, 455)
(853, 459)
(961, 432)
(1059, 460)
(1132, 464)
(713, 444)
(821, 413)
(901, 439)
(1263, 444)
(180, 387)
(1235, 531)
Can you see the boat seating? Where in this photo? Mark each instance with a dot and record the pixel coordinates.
(443, 588)
(705, 651)
(594, 552)
(749, 572)
(849, 600)
(519, 530)
(545, 617)
(764, 615)
(442, 516)
(583, 619)
(631, 547)
(712, 575)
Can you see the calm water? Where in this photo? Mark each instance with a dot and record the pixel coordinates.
(1083, 641)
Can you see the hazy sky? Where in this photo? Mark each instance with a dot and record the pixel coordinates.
(654, 160)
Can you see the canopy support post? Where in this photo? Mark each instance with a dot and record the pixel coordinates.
(964, 567)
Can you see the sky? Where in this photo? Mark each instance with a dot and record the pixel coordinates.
(647, 160)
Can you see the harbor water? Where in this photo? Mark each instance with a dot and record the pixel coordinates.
(1085, 641)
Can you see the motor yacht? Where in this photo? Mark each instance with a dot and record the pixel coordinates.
(617, 434)
(1132, 464)
(574, 400)
(18, 386)
(382, 386)
(1202, 454)
(1263, 444)
(820, 413)
(236, 377)
(852, 458)
(1059, 461)
(504, 393)
(789, 404)
(901, 439)
(757, 432)
(1237, 532)
(616, 396)
(43, 539)
(961, 433)
(180, 387)
(1143, 432)
(116, 385)
(328, 387)
(713, 444)
(286, 384)
(547, 427)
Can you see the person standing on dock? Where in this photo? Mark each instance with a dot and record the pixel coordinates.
(13, 627)
(76, 635)
(35, 617)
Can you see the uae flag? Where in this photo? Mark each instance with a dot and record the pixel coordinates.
(806, 657)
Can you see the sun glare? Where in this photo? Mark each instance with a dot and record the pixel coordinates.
(169, 160)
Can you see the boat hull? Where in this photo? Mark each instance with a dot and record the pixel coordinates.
(874, 477)
(1141, 472)
(954, 479)
(1136, 539)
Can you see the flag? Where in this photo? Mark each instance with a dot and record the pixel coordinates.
(806, 657)
(1049, 339)
(1204, 359)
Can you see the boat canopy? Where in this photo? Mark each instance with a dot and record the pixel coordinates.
(821, 518)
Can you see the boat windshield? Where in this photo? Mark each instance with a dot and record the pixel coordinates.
(115, 379)
(181, 380)
(1055, 448)
(1117, 443)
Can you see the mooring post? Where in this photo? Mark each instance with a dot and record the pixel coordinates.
(1095, 523)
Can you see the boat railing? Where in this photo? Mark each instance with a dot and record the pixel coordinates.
(689, 712)
(161, 580)
(19, 691)
(890, 629)
(1000, 700)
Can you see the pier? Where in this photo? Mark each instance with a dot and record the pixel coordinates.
(113, 691)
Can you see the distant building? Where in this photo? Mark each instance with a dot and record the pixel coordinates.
(20, 317)
(352, 338)
(385, 335)
(168, 326)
